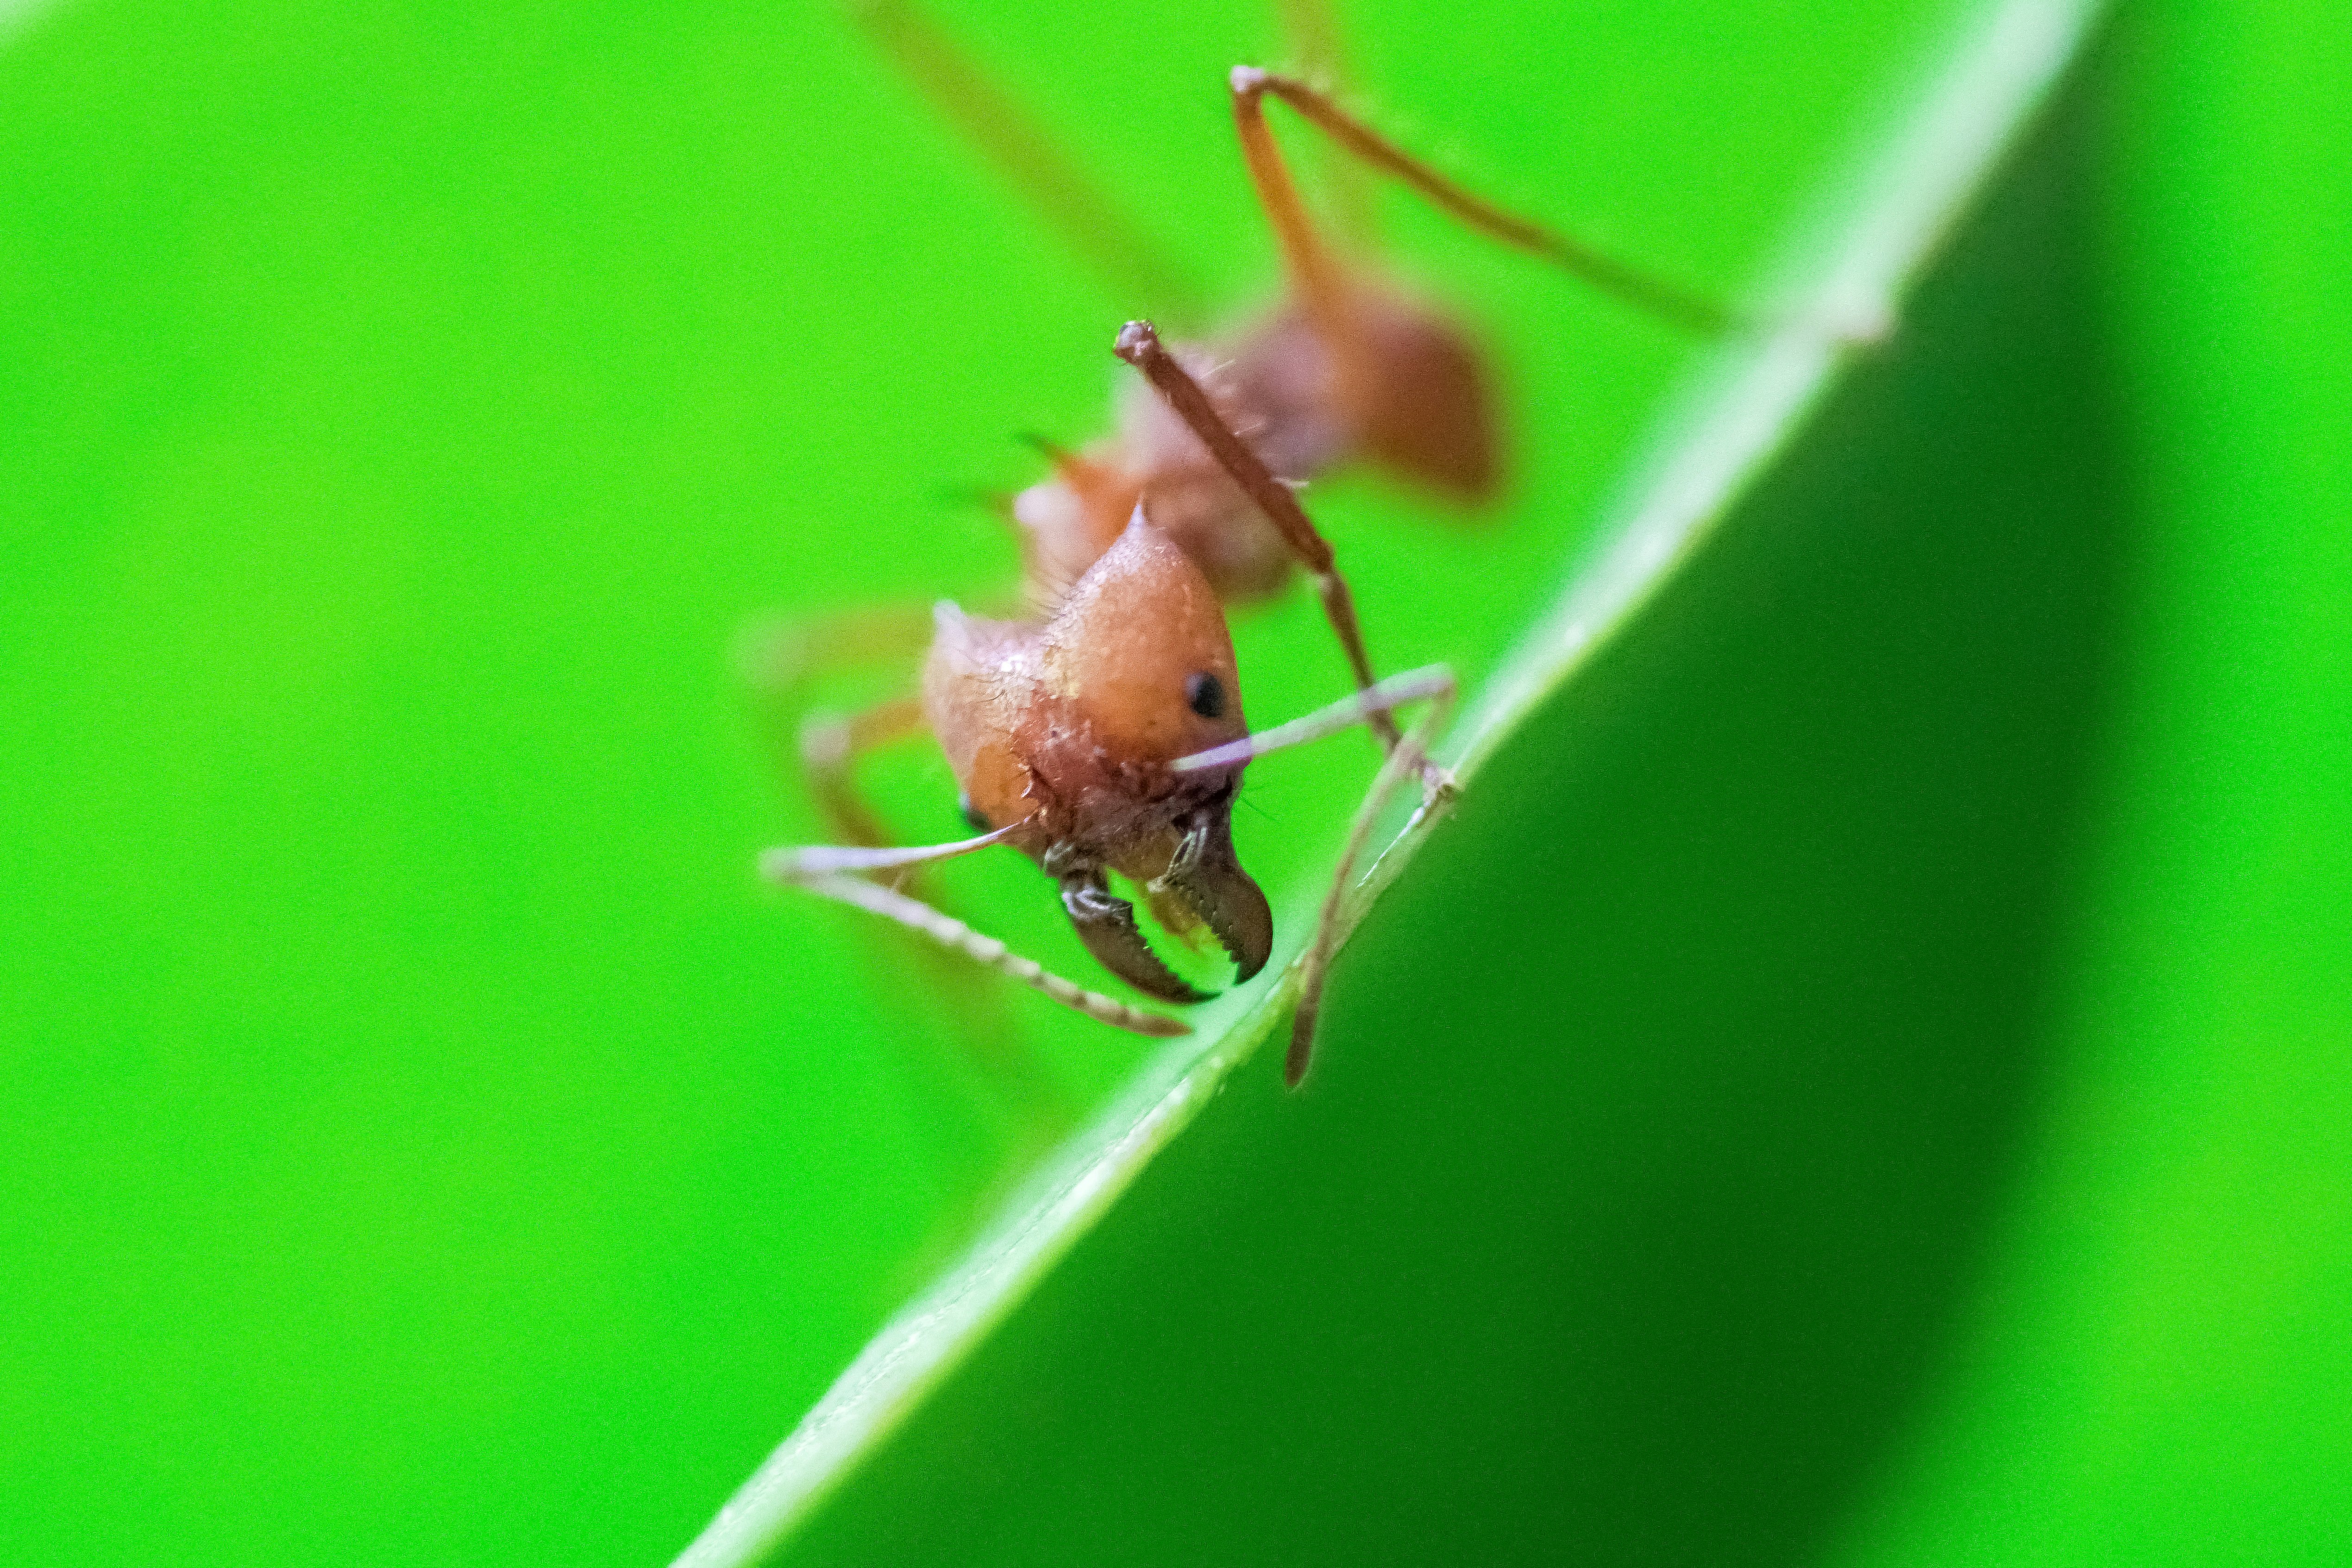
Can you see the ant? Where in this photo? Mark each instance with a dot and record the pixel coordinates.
(1107, 735)
(1104, 733)
(1089, 774)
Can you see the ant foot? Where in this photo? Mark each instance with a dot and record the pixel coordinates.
(1439, 788)
(1851, 320)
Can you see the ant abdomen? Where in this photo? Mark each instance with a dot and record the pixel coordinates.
(1418, 399)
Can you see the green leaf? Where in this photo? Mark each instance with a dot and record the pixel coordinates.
(1860, 1077)
(1847, 269)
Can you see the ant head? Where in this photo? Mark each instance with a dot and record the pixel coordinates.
(1066, 729)
(1139, 658)
(1421, 399)
(1138, 669)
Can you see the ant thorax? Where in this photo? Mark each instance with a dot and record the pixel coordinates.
(1272, 385)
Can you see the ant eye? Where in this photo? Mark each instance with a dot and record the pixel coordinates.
(970, 814)
(1205, 695)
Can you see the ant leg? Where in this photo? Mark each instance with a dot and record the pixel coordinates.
(832, 873)
(1411, 755)
(1311, 30)
(1138, 344)
(1316, 275)
(778, 655)
(1435, 681)
(1089, 222)
(1668, 301)
(830, 746)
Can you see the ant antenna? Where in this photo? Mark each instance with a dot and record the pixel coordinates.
(808, 862)
(1431, 681)
(829, 872)
(837, 871)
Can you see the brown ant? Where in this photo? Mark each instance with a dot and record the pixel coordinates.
(1105, 735)
(1108, 737)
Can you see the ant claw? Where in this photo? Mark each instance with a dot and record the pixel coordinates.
(1107, 925)
(1439, 788)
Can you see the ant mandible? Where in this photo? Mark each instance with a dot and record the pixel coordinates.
(1105, 733)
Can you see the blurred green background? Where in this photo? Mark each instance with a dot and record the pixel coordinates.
(1866, 1077)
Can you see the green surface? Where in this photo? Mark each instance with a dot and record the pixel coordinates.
(2154, 1364)
(1866, 1076)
